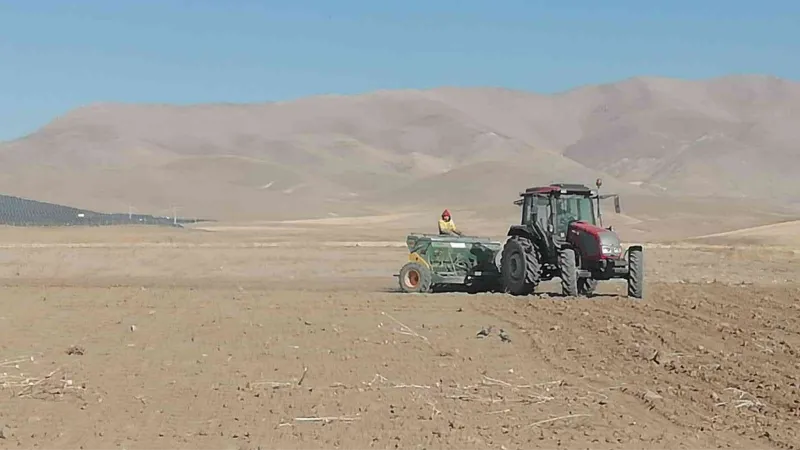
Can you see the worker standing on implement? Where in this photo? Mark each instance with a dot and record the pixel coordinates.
(447, 226)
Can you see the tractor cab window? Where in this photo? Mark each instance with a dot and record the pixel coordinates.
(538, 210)
(571, 208)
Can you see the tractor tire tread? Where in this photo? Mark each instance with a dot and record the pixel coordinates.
(425, 278)
(636, 274)
(532, 265)
(587, 286)
(569, 272)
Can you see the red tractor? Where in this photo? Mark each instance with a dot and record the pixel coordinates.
(561, 236)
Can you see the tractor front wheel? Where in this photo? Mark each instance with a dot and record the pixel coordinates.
(569, 272)
(587, 286)
(415, 278)
(520, 266)
(635, 273)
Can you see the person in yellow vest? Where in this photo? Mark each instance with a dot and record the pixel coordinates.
(447, 226)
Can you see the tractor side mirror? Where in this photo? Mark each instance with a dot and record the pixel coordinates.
(617, 209)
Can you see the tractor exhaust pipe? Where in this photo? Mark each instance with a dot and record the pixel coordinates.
(598, 183)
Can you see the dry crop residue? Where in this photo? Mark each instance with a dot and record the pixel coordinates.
(707, 364)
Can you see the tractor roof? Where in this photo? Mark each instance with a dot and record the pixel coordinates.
(563, 188)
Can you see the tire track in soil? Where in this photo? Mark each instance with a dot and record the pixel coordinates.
(630, 414)
(698, 374)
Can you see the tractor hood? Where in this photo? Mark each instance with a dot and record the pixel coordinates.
(593, 230)
(609, 243)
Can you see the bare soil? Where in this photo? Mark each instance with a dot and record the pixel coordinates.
(190, 339)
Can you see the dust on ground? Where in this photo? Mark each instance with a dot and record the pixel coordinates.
(233, 345)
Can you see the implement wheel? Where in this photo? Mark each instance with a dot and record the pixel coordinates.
(415, 278)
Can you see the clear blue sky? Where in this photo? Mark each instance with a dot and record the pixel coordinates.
(56, 55)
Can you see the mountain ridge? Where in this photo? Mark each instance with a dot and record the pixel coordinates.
(729, 136)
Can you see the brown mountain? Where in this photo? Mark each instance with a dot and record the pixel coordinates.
(400, 150)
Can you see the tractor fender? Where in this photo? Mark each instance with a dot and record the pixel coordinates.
(632, 247)
(532, 234)
(566, 245)
(521, 231)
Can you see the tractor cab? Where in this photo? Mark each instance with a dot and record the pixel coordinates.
(553, 208)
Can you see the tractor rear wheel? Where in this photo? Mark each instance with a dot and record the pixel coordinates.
(635, 273)
(587, 286)
(569, 272)
(520, 266)
(415, 278)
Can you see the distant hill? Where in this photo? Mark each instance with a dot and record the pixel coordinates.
(385, 151)
(23, 212)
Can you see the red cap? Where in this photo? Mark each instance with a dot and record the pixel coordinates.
(445, 213)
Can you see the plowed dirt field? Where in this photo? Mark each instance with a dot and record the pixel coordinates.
(233, 345)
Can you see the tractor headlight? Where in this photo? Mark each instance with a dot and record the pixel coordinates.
(609, 244)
